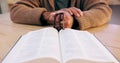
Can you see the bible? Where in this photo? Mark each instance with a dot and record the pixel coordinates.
(47, 45)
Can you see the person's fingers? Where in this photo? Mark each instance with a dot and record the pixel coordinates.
(60, 11)
(57, 12)
(64, 22)
(69, 11)
(68, 20)
(57, 23)
(75, 12)
(79, 11)
(57, 18)
(51, 17)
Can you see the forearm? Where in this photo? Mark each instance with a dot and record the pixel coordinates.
(95, 15)
(26, 13)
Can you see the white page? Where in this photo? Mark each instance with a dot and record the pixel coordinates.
(69, 46)
(93, 49)
(83, 45)
(36, 44)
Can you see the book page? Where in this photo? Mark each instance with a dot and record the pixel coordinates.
(40, 44)
(81, 46)
(70, 47)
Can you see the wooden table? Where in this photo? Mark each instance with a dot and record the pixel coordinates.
(108, 34)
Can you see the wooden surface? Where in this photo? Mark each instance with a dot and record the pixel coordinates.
(108, 34)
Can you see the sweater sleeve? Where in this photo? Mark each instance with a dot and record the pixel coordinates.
(95, 13)
(27, 12)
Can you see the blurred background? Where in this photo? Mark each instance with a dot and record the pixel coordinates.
(114, 4)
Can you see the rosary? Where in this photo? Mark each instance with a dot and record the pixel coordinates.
(59, 23)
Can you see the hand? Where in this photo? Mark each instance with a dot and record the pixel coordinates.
(68, 20)
(74, 11)
(49, 16)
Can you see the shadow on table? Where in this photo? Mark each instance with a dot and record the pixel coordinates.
(115, 19)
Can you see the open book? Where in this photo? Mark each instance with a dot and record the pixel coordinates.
(67, 46)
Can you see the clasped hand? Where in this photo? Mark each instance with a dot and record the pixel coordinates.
(67, 21)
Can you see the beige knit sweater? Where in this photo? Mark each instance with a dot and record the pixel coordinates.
(95, 12)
